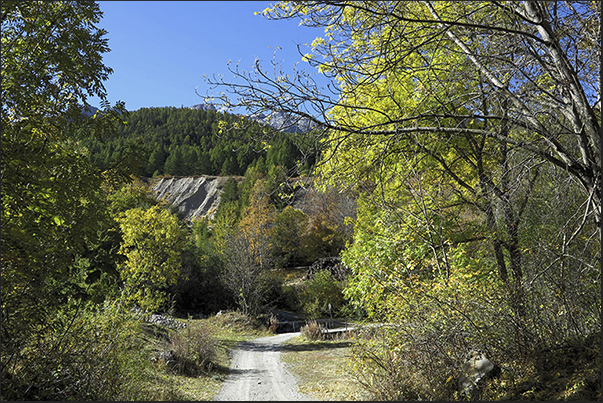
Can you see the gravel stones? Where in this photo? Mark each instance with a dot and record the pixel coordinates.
(166, 321)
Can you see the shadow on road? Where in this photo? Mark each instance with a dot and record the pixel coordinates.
(250, 373)
(255, 346)
(316, 346)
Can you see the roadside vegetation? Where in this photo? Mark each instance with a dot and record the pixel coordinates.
(322, 368)
(201, 356)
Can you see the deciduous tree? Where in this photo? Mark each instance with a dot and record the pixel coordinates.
(153, 242)
(247, 280)
(257, 224)
(535, 64)
(450, 119)
(53, 207)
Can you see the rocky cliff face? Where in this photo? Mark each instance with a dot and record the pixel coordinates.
(199, 196)
(195, 196)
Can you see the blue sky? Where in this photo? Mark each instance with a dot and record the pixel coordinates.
(160, 50)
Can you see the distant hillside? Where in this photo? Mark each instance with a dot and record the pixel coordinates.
(188, 141)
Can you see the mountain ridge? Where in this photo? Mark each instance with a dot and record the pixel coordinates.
(280, 121)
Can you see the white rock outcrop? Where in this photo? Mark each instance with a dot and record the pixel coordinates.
(195, 196)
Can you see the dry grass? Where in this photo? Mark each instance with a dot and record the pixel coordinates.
(227, 331)
(570, 371)
(171, 387)
(194, 349)
(292, 275)
(312, 331)
(320, 367)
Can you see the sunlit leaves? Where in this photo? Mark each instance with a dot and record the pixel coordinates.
(56, 236)
(52, 61)
(256, 226)
(152, 244)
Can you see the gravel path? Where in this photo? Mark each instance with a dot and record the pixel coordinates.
(257, 372)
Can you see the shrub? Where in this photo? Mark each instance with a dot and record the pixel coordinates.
(85, 353)
(313, 331)
(391, 367)
(193, 349)
(273, 323)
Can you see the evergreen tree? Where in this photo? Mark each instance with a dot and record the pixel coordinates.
(204, 148)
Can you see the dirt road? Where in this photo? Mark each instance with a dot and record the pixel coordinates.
(257, 372)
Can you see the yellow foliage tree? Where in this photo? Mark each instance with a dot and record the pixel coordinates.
(152, 244)
(257, 224)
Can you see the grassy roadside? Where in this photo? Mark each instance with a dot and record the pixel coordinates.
(570, 371)
(227, 330)
(320, 367)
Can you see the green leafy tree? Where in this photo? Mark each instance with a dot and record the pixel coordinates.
(174, 164)
(199, 288)
(225, 226)
(327, 231)
(470, 50)
(55, 228)
(320, 292)
(290, 227)
(153, 242)
(230, 192)
(129, 196)
(156, 161)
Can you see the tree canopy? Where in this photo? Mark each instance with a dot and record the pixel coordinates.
(57, 238)
(471, 133)
(522, 73)
(51, 63)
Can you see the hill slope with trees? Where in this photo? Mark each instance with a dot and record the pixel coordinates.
(184, 141)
